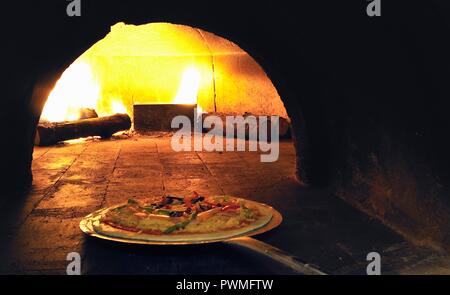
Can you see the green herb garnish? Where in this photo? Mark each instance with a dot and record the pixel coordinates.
(248, 213)
(180, 225)
(149, 209)
(164, 212)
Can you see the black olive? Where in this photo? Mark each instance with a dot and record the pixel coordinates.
(176, 214)
(166, 201)
(205, 207)
(197, 199)
(174, 198)
(188, 210)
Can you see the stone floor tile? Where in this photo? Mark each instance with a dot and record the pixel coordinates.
(138, 159)
(176, 171)
(182, 158)
(44, 179)
(53, 162)
(140, 174)
(182, 187)
(32, 249)
(39, 151)
(68, 194)
(96, 174)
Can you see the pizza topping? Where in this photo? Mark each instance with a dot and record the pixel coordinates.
(163, 212)
(197, 199)
(230, 207)
(157, 216)
(180, 225)
(247, 213)
(191, 214)
(204, 207)
(176, 214)
(174, 200)
(141, 214)
(207, 214)
(188, 199)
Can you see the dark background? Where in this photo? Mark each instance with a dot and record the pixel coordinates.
(368, 97)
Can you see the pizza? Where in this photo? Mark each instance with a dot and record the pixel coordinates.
(177, 219)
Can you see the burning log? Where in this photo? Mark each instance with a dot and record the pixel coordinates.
(51, 133)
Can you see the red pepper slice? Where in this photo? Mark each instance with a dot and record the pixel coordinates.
(231, 207)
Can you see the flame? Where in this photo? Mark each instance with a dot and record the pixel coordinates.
(75, 89)
(117, 107)
(78, 89)
(188, 89)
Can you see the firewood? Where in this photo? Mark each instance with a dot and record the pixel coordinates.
(52, 133)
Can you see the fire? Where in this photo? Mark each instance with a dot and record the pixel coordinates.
(189, 86)
(161, 63)
(117, 107)
(76, 89)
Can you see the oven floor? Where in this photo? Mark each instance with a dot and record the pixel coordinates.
(40, 228)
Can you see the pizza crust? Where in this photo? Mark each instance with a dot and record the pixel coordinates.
(264, 218)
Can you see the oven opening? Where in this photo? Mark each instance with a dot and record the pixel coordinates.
(155, 71)
(105, 132)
